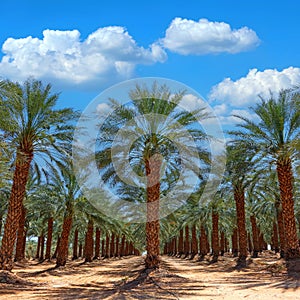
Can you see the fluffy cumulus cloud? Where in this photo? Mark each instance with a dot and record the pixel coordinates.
(61, 56)
(189, 37)
(247, 90)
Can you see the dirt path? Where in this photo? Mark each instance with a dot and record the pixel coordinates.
(176, 279)
(223, 281)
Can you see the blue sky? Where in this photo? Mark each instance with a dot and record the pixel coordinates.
(228, 51)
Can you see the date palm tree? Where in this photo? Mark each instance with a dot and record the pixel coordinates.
(153, 119)
(276, 137)
(30, 124)
(239, 175)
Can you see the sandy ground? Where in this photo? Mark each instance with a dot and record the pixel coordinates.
(263, 278)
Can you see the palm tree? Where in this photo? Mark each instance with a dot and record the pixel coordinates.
(29, 124)
(276, 138)
(152, 149)
(239, 167)
(68, 191)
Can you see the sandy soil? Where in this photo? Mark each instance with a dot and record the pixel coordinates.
(263, 278)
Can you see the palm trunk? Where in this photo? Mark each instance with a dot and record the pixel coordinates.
(84, 246)
(20, 239)
(153, 166)
(62, 254)
(80, 250)
(254, 236)
(103, 248)
(122, 251)
(41, 257)
(24, 244)
(281, 231)
(285, 179)
(234, 241)
(187, 242)
(97, 244)
(75, 245)
(107, 246)
(89, 242)
(49, 239)
(175, 246)
(239, 198)
(203, 243)
(180, 243)
(112, 245)
(117, 246)
(20, 178)
(194, 246)
(215, 236)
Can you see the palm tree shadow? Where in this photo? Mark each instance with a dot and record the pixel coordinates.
(293, 268)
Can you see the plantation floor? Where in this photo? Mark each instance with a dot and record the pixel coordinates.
(263, 278)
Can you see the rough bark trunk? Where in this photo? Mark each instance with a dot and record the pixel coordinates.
(175, 246)
(239, 198)
(49, 238)
(80, 250)
(107, 246)
(75, 245)
(281, 230)
(153, 166)
(254, 236)
(234, 240)
(112, 245)
(215, 236)
(126, 248)
(203, 243)
(103, 248)
(89, 242)
(14, 211)
(62, 254)
(194, 246)
(122, 251)
(180, 243)
(187, 242)
(97, 244)
(24, 243)
(41, 258)
(19, 256)
(285, 179)
(117, 252)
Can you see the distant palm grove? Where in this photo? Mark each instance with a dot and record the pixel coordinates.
(45, 216)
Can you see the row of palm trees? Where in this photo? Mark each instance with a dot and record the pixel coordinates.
(38, 186)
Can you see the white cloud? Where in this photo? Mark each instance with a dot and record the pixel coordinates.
(232, 119)
(220, 109)
(108, 54)
(191, 102)
(189, 37)
(245, 90)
